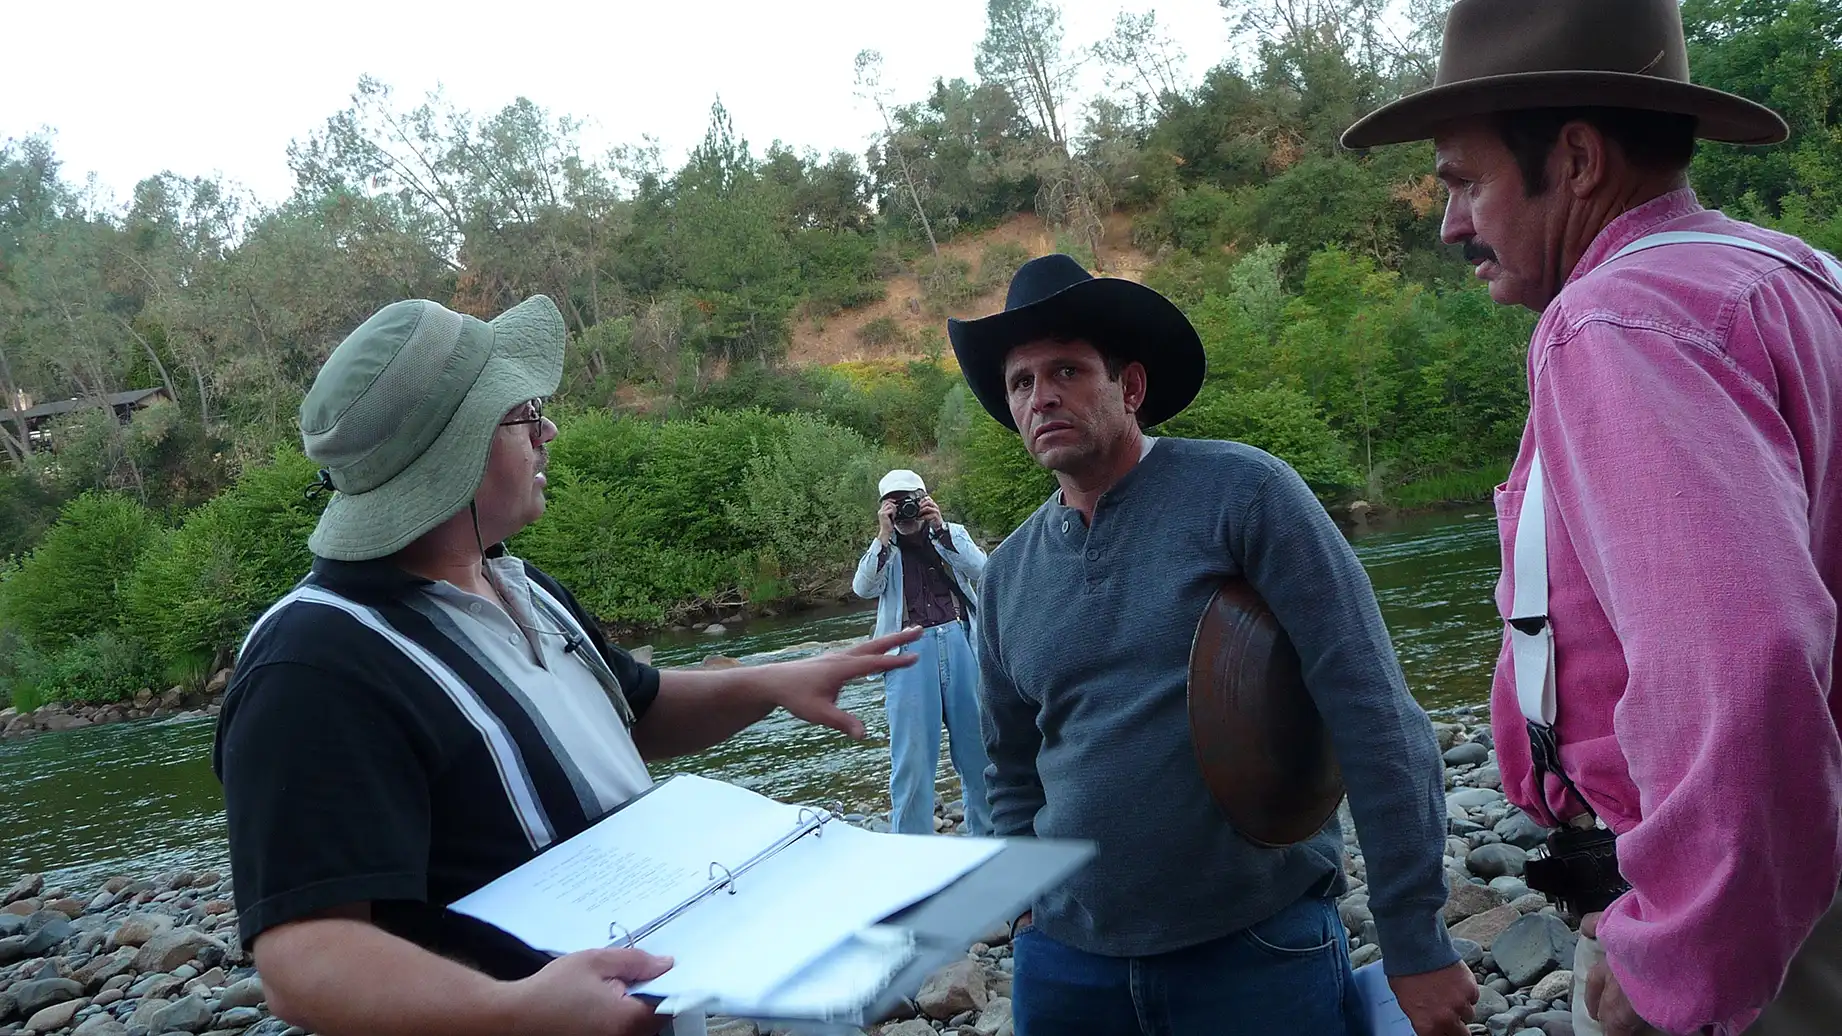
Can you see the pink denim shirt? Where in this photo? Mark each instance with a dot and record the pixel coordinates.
(1687, 401)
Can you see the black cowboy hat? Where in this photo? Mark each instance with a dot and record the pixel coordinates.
(1054, 297)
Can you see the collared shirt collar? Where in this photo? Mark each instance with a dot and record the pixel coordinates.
(1634, 224)
(380, 578)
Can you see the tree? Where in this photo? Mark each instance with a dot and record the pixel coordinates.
(1142, 60)
(870, 87)
(972, 154)
(1788, 57)
(719, 234)
(1328, 62)
(1022, 52)
(172, 254)
(17, 441)
(404, 168)
(538, 215)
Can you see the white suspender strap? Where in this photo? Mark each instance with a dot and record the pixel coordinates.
(1531, 643)
(1675, 237)
(1531, 638)
(1531, 635)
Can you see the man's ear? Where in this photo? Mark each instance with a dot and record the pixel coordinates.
(1581, 159)
(1133, 384)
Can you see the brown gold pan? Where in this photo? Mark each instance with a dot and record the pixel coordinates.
(1263, 748)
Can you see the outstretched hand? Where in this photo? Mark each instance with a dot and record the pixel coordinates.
(810, 687)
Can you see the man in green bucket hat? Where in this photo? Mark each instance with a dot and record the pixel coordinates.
(424, 711)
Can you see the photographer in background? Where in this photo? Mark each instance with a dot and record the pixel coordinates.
(924, 571)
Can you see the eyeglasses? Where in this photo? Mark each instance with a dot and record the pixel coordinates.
(534, 415)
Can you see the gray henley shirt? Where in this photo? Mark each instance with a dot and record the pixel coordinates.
(1084, 657)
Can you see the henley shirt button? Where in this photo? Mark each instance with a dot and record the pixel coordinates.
(1093, 555)
(1064, 525)
(474, 607)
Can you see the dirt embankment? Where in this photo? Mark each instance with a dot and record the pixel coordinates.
(839, 337)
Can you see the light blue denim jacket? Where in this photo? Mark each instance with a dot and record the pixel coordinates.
(966, 561)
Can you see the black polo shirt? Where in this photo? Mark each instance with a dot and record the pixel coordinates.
(369, 753)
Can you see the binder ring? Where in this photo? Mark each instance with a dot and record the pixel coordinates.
(807, 814)
(626, 936)
(729, 879)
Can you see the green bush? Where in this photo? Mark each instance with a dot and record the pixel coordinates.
(691, 468)
(842, 403)
(997, 483)
(1202, 220)
(947, 284)
(1281, 421)
(840, 271)
(1077, 247)
(954, 421)
(1452, 487)
(908, 405)
(28, 506)
(774, 388)
(104, 666)
(598, 444)
(647, 522)
(1416, 381)
(998, 262)
(884, 330)
(71, 584)
(195, 594)
(809, 498)
(591, 539)
(599, 361)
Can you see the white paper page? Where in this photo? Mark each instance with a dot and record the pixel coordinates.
(835, 986)
(633, 866)
(1385, 1015)
(805, 901)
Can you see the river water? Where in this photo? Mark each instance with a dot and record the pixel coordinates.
(137, 798)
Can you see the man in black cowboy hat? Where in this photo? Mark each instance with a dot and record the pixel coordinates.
(1181, 925)
(1672, 526)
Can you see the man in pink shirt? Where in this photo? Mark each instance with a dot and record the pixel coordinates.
(1672, 525)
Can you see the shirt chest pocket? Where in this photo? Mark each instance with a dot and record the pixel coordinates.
(1509, 513)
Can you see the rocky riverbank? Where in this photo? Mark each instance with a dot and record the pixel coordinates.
(160, 957)
(132, 957)
(55, 716)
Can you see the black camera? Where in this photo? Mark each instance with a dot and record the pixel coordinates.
(908, 509)
(1579, 871)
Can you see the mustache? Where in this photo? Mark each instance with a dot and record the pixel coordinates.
(1478, 252)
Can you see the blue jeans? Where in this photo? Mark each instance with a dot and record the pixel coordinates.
(943, 682)
(1288, 975)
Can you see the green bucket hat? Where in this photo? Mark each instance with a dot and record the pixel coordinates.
(401, 416)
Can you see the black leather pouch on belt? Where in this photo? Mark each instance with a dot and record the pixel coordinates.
(1579, 871)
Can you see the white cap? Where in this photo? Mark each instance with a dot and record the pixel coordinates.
(899, 480)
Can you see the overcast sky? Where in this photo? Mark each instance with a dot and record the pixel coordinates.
(203, 87)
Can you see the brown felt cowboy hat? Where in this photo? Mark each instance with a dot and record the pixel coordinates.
(1511, 55)
(1263, 748)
